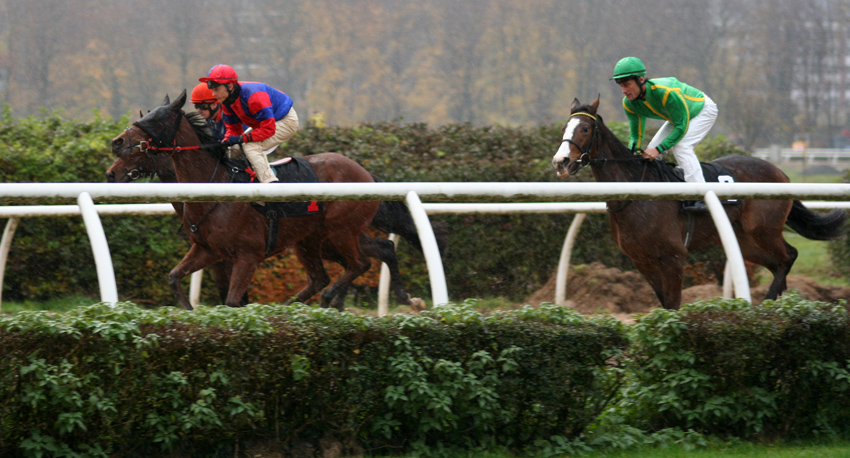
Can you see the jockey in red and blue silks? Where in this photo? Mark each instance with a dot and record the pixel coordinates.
(265, 109)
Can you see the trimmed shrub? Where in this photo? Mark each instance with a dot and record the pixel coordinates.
(124, 381)
(731, 369)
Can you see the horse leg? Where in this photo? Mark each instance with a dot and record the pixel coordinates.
(666, 278)
(196, 259)
(221, 272)
(309, 253)
(772, 252)
(356, 263)
(240, 279)
(385, 251)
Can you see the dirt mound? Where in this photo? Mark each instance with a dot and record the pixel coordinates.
(595, 288)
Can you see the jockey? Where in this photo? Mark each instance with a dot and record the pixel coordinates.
(208, 107)
(266, 110)
(688, 114)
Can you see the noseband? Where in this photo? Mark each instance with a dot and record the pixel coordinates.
(584, 159)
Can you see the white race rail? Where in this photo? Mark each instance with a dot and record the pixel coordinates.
(411, 193)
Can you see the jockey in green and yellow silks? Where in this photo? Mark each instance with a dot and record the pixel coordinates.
(688, 114)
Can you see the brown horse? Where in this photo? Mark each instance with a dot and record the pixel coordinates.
(652, 232)
(392, 217)
(234, 231)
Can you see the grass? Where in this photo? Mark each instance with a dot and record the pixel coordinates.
(743, 450)
(63, 304)
(738, 450)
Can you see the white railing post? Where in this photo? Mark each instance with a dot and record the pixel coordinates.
(195, 287)
(439, 292)
(564, 262)
(5, 246)
(384, 283)
(730, 245)
(100, 249)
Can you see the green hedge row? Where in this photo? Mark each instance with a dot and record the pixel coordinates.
(488, 255)
(128, 381)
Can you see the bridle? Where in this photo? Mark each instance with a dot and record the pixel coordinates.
(584, 159)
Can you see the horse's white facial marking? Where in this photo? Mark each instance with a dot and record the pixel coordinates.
(564, 151)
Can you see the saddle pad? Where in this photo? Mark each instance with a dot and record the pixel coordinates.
(296, 170)
(710, 171)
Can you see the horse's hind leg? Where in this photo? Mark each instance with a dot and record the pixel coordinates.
(196, 259)
(762, 242)
(775, 254)
(308, 251)
(384, 250)
(356, 264)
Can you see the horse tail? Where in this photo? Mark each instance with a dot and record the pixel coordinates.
(816, 226)
(394, 217)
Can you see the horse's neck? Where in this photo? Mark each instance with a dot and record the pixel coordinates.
(610, 147)
(195, 165)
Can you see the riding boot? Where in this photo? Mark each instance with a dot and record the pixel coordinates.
(694, 206)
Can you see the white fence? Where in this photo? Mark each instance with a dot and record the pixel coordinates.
(85, 193)
(811, 155)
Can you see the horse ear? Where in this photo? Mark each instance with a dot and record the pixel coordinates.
(575, 105)
(140, 114)
(179, 101)
(595, 105)
(166, 100)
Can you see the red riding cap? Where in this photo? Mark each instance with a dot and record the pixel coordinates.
(203, 94)
(221, 74)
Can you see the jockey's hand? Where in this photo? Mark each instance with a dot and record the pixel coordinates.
(650, 154)
(232, 140)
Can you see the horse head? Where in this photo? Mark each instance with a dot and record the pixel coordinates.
(135, 159)
(579, 136)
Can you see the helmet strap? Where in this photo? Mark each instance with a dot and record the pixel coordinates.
(232, 94)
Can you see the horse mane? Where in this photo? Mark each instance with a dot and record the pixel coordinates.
(205, 134)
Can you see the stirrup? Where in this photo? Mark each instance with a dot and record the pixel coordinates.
(697, 206)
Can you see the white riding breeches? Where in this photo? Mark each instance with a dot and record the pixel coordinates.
(683, 151)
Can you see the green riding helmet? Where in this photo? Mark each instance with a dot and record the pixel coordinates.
(628, 67)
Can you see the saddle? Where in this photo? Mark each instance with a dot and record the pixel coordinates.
(712, 172)
(287, 170)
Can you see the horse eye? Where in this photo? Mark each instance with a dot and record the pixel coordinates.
(585, 128)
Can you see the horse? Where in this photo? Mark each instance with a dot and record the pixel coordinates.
(234, 231)
(653, 232)
(392, 217)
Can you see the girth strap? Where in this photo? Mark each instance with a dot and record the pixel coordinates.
(271, 240)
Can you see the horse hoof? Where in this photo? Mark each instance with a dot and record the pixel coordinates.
(417, 304)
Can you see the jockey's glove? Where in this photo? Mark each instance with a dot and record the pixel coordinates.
(232, 140)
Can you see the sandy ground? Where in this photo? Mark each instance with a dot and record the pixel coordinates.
(595, 288)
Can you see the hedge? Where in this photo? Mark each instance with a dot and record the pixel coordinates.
(488, 255)
(127, 381)
(727, 368)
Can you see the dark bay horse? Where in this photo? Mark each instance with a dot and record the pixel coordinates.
(234, 231)
(652, 232)
(392, 217)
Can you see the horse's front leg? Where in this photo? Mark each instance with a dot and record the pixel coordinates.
(240, 279)
(196, 259)
(665, 275)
